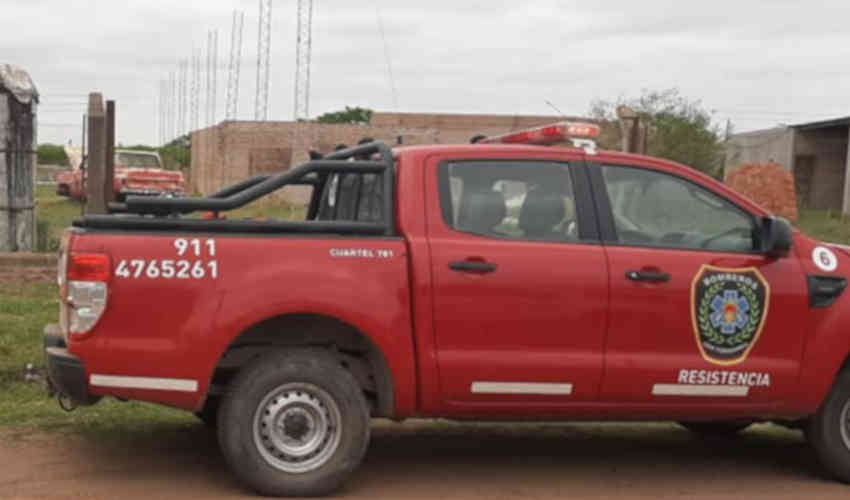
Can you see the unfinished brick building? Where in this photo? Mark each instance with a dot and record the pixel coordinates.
(233, 151)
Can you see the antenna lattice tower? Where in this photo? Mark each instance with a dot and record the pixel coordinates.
(304, 49)
(160, 114)
(172, 106)
(235, 65)
(212, 76)
(182, 68)
(264, 47)
(195, 99)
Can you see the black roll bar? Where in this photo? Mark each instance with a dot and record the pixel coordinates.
(247, 191)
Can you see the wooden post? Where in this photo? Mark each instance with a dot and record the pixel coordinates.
(109, 178)
(628, 128)
(95, 174)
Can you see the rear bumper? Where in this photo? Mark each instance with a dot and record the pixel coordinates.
(66, 372)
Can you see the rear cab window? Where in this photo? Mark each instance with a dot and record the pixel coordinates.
(352, 197)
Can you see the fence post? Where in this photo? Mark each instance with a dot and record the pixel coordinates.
(109, 178)
(95, 173)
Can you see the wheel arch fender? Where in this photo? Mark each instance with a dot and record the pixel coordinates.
(318, 323)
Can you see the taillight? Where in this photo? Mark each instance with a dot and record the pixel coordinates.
(86, 292)
(88, 267)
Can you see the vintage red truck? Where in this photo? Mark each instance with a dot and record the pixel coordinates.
(501, 280)
(137, 173)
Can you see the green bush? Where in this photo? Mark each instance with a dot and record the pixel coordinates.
(51, 154)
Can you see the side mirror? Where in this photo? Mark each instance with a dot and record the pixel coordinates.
(776, 236)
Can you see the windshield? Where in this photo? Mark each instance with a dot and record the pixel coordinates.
(136, 160)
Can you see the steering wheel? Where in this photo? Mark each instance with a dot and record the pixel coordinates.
(743, 231)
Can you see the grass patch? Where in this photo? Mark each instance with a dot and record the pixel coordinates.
(55, 213)
(825, 226)
(24, 311)
(271, 209)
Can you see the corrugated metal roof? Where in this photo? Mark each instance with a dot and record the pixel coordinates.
(835, 122)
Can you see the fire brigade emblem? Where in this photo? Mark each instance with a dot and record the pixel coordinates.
(728, 309)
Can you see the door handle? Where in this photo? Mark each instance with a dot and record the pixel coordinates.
(473, 266)
(648, 276)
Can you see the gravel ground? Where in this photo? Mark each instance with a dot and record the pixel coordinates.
(427, 460)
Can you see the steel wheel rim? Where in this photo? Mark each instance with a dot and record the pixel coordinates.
(845, 424)
(297, 427)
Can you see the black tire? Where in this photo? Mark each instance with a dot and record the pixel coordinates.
(717, 428)
(305, 388)
(829, 429)
(209, 413)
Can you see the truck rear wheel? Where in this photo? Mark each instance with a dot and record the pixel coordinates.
(724, 428)
(294, 423)
(829, 430)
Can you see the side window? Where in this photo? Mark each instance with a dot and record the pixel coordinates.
(531, 201)
(352, 197)
(661, 210)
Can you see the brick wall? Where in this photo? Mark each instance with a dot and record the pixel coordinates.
(233, 151)
(20, 268)
(769, 185)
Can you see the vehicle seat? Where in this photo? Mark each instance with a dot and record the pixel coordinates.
(481, 211)
(541, 212)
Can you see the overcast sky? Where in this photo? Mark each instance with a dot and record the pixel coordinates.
(757, 62)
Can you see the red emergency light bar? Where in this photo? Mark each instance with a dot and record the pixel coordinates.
(547, 134)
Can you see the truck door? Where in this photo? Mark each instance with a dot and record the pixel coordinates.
(698, 317)
(520, 283)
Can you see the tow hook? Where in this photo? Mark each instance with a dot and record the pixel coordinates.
(66, 403)
(31, 375)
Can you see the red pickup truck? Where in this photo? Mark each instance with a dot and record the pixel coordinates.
(501, 280)
(137, 173)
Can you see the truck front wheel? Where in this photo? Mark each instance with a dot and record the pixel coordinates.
(829, 430)
(294, 423)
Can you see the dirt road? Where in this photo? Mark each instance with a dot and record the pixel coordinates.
(421, 460)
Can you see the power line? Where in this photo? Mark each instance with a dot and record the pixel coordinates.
(388, 60)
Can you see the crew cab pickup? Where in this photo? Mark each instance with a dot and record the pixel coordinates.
(500, 280)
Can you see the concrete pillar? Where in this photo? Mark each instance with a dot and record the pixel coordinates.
(18, 102)
(845, 205)
(96, 162)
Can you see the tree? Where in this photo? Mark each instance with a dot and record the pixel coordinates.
(679, 129)
(51, 154)
(355, 115)
(177, 154)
